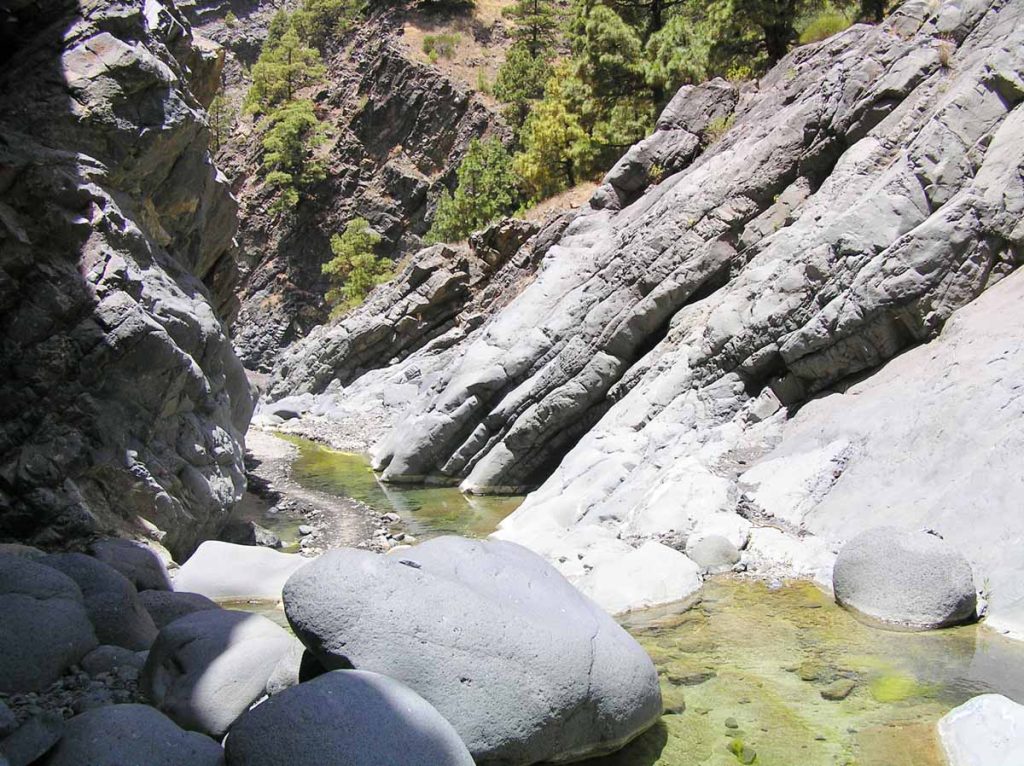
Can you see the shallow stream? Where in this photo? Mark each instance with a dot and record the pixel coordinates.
(750, 674)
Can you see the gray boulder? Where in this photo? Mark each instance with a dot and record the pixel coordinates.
(33, 739)
(110, 599)
(297, 665)
(167, 606)
(913, 579)
(131, 735)
(139, 563)
(987, 730)
(242, 532)
(45, 626)
(107, 659)
(346, 717)
(524, 667)
(206, 668)
(714, 554)
(8, 721)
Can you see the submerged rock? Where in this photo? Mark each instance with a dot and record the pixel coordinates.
(905, 578)
(987, 730)
(119, 735)
(206, 668)
(524, 667)
(45, 626)
(346, 717)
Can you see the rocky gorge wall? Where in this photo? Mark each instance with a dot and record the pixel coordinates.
(124, 406)
(769, 246)
(399, 131)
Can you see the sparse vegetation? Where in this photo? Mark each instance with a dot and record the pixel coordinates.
(440, 46)
(718, 127)
(230, 20)
(321, 22)
(823, 25)
(355, 268)
(285, 65)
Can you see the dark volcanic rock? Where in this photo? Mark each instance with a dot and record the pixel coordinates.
(123, 405)
(45, 626)
(346, 717)
(400, 129)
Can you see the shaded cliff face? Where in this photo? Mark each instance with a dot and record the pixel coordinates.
(124, 407)
(400, 129)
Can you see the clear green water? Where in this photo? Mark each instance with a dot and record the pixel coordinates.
(743, 671)
(425, 511)
(763, 658)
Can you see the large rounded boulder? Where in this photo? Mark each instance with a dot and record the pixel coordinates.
(44, 626)
(346, 717)
(166, 606)
(138, 562)
(906, 578)
(206, 668)
(119, 735)
(524, 667)
(111, 600)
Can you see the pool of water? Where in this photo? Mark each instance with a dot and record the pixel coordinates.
(789, 677)
(749, 674)
(425, 511)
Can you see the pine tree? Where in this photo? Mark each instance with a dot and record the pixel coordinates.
(520, 82)
(487, 189)
(222, 115)
(354, 270)
(291, 135)
(557, 150)
(284, 66)
(536, 24)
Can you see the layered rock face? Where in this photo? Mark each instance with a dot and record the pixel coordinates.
(400, 129)
(124, 407)
(769, 244)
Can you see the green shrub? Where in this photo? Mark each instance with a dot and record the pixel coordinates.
(718, 127)
(440, 45)
(230, 20)
(354, 270)
(285, 65)
(823, 25)
(488, 188)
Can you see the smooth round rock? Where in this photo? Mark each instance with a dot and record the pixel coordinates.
(346, 717)
(987, 730)
(713, 553)
(206, 668)
(130, 735)
(110, 599)
(523, 666)
(107, 659)
(140, 564)
(45, 627)
(297, 665)
(911, 579)
(167, 606)
(33, 739)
